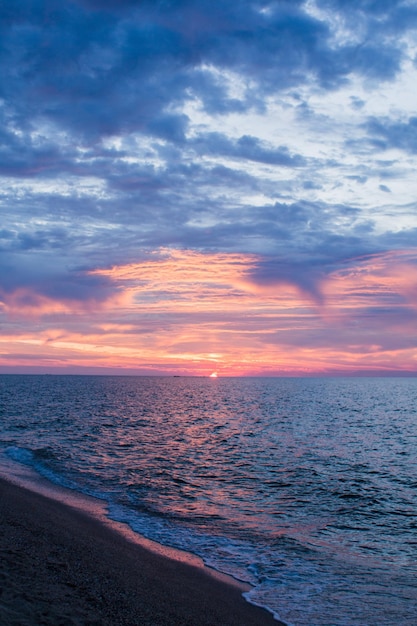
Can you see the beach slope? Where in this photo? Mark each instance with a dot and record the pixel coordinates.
(61, 567)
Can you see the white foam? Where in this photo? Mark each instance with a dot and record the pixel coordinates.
(20, 468)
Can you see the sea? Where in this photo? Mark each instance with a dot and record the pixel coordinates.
(305, 488)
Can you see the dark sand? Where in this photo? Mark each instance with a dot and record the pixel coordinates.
(61, 567)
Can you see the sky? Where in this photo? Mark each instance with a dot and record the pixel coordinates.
(200, 186)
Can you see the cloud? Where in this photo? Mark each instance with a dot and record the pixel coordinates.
(246, 147)
(385, 188)
(387, 134)
(252, 128)
(23, 284)
(140, 61)
(374, 17)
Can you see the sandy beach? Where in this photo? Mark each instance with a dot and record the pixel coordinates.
(59, 566)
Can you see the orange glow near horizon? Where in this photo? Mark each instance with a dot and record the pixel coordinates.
(188, 313)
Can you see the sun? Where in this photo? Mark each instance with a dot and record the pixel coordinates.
(213, 375)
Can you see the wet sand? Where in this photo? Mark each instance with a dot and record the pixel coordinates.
(60, 566)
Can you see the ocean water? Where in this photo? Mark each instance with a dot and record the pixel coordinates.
(304, 488)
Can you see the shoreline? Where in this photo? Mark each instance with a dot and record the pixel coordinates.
(63, 566)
